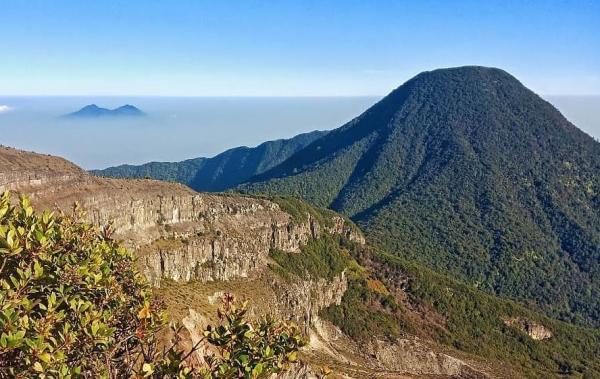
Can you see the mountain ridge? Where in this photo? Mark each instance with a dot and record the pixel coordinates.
(463, 169)
(222, 171)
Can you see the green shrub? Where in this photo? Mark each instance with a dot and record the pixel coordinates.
(250, 351)
(364, 314)
(72, 305)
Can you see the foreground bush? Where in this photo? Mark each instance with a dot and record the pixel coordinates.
(72, 305)
(244, 350)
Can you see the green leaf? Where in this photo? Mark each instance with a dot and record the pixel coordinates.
(292, 357)
(147, 369)
(38, 270)
(257, 370)
(95, 327)
(37, 366)
(45, 357)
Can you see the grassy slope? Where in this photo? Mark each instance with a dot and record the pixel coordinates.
(474, 324)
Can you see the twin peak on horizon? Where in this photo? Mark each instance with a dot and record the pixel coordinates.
(94, 111)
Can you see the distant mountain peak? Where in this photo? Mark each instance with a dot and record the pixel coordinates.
(127, 106)
(94, 111)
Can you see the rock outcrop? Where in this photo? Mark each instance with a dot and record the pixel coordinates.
(410, 356)
(533, 329)
(302, 300)
(405, 357)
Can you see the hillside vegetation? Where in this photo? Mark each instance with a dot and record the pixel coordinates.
(471, 174)
(389, 297)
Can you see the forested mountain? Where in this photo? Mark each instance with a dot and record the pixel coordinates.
(221, 172)
(471, 173)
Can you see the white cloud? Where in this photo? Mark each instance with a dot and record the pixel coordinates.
(4, 108)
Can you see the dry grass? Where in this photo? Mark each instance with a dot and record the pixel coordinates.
(180, 297)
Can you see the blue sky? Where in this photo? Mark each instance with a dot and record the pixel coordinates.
(289, 48)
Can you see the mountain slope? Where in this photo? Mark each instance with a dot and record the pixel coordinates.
(220, 172)
(297, 262)
(471, 173)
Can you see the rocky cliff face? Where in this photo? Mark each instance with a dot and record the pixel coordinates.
(211, 244)
(229, 238)
(302, 300)
(179, 234)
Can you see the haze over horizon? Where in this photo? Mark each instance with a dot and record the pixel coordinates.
(180, 128)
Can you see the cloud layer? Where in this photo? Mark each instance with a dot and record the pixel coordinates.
(4, 108)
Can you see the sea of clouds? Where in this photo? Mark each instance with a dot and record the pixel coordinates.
(175, 128)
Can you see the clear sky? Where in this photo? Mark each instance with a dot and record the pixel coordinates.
(289, 48)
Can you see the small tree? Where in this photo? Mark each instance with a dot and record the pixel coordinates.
(247, 351)
(72, 305)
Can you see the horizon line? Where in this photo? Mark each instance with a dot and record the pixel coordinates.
(259, 96)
